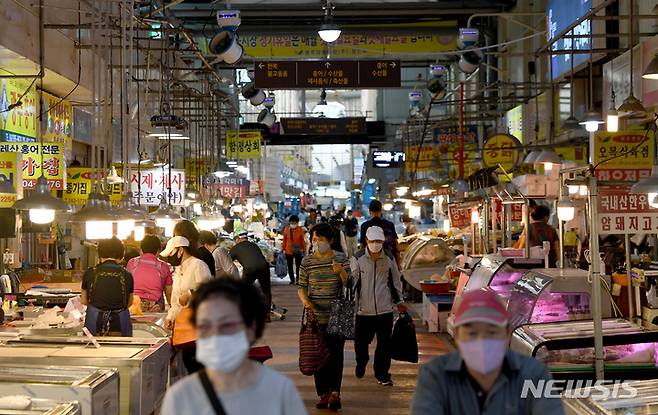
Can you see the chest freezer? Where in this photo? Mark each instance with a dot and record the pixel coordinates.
(644, 402)
(96, 390)
(567, 348)
(143, 364)
(44, 407)
(551, 295)
(427, 255)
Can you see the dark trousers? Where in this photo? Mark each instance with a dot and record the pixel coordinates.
(189, 359)
(263, 277)
(330, 377)
(366, 329)
(293, 272)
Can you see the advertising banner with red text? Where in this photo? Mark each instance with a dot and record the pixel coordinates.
(620, 212)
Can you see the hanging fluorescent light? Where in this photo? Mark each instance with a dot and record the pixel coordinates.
(548, 158)
(160, 131)
(612, 119)
(329, 31)
(173, 137)
(96, 217)
(632, 106)
(40, 203)
(571, 124)
(222, 169)
(565, 208)
(592, 121)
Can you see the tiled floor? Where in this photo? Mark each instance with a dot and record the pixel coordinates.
(359, 396)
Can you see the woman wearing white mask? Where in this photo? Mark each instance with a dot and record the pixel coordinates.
(379, 291)
(230, 316)
(320, 279)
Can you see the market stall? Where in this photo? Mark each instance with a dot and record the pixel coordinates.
(426, 256)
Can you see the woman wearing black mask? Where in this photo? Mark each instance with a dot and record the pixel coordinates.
(189, 273)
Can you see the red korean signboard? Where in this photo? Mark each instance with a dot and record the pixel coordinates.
(620, 212)
(459, 217)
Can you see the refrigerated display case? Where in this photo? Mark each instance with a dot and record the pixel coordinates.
(143, 363)
(44, 407)
(426, 256)
(567, 348)
(96, 390)
(552, 295)
(617, 402)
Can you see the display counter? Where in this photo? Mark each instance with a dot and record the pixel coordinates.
(143, 364)
(426, 256)
(96, 390)
(644, 402)
(567, 348)
(44, 407)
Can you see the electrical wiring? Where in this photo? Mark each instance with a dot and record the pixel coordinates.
(18, 102)
(653, 127)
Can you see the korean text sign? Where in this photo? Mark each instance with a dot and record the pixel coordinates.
(621, 212)
(9, 172)
(243, 145)
(79, 186)
(58, 125)
(155, 186)
(502, 149)
(459, 217)
(623, 156)
(37, 158)
(21, 120)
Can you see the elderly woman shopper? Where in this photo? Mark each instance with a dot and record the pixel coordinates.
(189, 273)
(321, 276)
(229, 316)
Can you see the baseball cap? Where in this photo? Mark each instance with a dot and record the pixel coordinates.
(481, 306)
(173, 243)
(375, 233)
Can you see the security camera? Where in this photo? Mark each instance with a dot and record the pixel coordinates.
(437, 71)
(468, 36)
(253, 94)
(226, 46)
(266, 118)
(437, 88)
(269, 102)
(470, 60)
(229, 19)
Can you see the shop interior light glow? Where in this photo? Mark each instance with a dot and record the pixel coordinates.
(140, 231)
(475, 216)
(401, 190)
(98, 229)
(612, 120)
(388, 207)
(566, 211)
(169, 229)
(446, 225)
(124, 228)
(583, 190)
(41, 216)
(573, 189)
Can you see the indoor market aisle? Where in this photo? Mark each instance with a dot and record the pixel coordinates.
(359, 396)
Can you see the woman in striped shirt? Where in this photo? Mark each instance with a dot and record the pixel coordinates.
(320, 279)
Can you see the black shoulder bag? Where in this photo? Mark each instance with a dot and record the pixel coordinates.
(210, 393)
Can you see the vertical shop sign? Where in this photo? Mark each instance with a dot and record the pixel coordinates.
(621, 212)
(34, 162)
(243, 145)
(79, 184)
(514, 119)
(57, 126)
(625, 156)
(22, 119)
(424, 161)
(155, 186)
(459, 217)
(502, 149)
(9, 172)
(195, 168)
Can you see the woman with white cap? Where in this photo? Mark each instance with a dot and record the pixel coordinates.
(189, 273)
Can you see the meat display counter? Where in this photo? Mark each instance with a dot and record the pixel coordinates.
(567, 348)
(143, 364)
(619, 402)
(552, 295)
(426, 256)
(96, 390)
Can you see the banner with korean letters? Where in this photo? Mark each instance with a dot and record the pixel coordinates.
(621, 212)
(150, 186)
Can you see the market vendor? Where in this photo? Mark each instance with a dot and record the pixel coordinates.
(540, 231)
(107, 291)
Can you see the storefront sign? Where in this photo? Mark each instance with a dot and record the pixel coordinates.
(9, 172)
(451, 136)
(327, 74)
(459, 218)
(324, 126)
(292, 46)
(502, 149)
(21, 120)
(155, 186)
(228, 187)
(620, 212)
(243, 145)
(195, 168)
(52, 161)
(624, 156)
(57, 127)
(79, 185)
(424, 160)
(514, 118)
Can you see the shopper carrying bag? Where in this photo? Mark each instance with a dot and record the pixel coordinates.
(404, 346)
(343, 314)
(313, 352)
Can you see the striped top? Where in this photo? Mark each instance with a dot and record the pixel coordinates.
(321, 282)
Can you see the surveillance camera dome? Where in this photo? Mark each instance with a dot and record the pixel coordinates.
(470, 60)
(226, 46)
(253, 94)
(266, 118)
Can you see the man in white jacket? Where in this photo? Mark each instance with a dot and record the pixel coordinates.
(379, 291)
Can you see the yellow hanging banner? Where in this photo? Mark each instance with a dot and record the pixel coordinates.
(243, 145)
(10, 172)
(503, 149)
(34, 162)
(79, 186)
(57, 127)
(22, 119)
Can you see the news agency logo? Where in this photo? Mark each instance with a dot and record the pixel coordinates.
(577, 389)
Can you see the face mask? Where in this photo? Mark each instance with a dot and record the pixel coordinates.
(483, 356)
(223, 353)
(293, 226)
(174, 260)
(375, 247)
(322, 247)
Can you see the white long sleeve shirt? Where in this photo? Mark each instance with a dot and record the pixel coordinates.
(187, 276)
